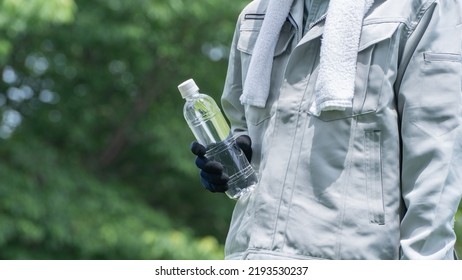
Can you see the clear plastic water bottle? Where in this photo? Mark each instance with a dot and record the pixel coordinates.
(210, 128)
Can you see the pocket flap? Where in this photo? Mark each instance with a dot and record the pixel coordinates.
(374, 33)
(250, 29)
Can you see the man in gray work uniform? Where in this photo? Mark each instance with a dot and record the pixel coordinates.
(354, 111)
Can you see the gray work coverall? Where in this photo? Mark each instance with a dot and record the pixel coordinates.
(382, 180)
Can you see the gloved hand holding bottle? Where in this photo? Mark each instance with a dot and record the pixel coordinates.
(225, 167)
(213, 176)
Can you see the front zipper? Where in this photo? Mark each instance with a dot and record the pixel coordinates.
(323, 17)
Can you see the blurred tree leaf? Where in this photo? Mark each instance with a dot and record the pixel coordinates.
(17, 16)
(55, 209)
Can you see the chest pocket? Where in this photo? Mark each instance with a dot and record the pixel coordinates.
(250, 28)
(374, 60)
(248, 34)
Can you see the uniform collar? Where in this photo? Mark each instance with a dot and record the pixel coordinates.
(296, 17)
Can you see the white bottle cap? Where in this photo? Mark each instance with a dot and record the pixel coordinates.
(188, 87)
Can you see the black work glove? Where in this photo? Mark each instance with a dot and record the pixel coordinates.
(212, 174)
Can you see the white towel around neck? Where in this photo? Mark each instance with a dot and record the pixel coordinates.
(339, 49)
(257, 81)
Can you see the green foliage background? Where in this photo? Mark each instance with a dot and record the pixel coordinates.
(94, 159)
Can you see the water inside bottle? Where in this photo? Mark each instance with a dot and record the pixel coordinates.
(209, 130)
(242, 183)
(242, 177)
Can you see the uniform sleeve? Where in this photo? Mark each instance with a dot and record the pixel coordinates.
(430, 107)
(232, 107)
